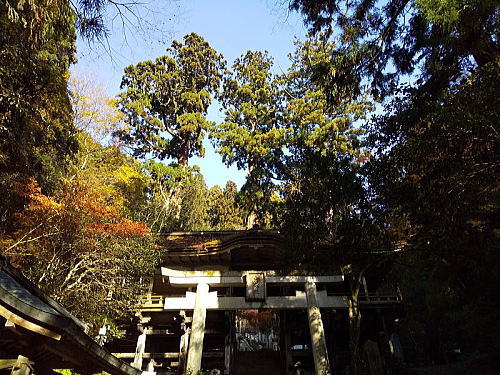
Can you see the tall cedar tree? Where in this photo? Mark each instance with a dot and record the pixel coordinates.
(224, 212)
(251, 136)
(436, 148)
(166, 101)
(437, 162)
(324, 212)
(316, 123)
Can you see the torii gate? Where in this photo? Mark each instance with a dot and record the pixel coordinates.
(230, 271)
(256, 297)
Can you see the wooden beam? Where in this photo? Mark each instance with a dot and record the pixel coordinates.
(277, 279)
(16, 319)
(168, 355)
(213, 302)
(237, 278)
(164, 332)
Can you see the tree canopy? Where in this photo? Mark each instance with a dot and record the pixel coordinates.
(251, 132)
(433, 149)
(380, 42)
(36, 128)
(166, 101)
(252, 135)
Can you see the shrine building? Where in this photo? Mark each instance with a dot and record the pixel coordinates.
(219, 304)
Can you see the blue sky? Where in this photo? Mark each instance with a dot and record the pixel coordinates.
(231, 27)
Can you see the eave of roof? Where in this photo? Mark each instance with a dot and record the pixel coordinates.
(216, 247)
(22, 299)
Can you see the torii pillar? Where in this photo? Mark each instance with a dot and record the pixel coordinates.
(195, 352)
(318, 342)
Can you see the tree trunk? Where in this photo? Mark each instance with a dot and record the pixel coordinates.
(182, 160)
(354, 327)
(183, 157)
(251, 219)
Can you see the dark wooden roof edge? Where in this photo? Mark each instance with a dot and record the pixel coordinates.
(224, 244)
(34, 290)
(66, 324)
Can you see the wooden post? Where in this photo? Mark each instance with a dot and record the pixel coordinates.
(183, 348)
(365, 287)
(198, 329)
(139, 349)
(286, 342)
(227, 354)
(229, 343)
(22, 366)
(150, 288)
(318, 342)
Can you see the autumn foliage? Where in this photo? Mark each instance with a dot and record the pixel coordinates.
(80, 249)
(79, 214)
(262, 321)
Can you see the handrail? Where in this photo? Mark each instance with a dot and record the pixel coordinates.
(376, 297)
(379, 298)
(151, 300)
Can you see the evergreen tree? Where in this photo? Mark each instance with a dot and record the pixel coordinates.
(224, 212)
(166, 101)
(378, 42)
(316, 121)
(435, 147)
(250, 99)
(436, 162)
(251, 136)
(326, 214)
(330, 226)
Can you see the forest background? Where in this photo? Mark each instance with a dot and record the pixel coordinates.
(377, 149)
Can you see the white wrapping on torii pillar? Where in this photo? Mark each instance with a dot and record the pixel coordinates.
(318, 342)
(197, 329)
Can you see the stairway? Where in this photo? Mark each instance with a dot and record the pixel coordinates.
(265, 362)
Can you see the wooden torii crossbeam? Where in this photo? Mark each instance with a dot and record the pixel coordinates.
(255, 283)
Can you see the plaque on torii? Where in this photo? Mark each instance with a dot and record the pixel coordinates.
(255, 286)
